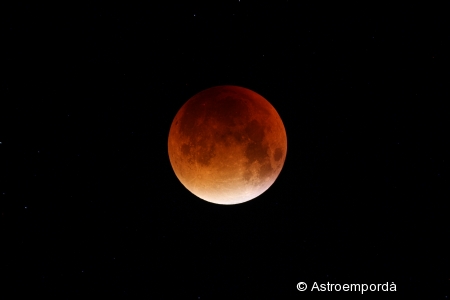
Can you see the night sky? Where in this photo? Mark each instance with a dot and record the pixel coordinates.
(90, 204)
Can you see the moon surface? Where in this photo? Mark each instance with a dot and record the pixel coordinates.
(227, 145)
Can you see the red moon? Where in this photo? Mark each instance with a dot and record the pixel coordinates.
(227, 145)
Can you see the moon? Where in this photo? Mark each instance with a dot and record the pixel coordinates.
(227, 145)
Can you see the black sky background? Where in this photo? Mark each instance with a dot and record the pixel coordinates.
(91, 205)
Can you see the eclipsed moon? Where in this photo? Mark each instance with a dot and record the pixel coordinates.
(227, 145)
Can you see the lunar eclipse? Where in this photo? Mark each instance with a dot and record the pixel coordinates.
(227, 145)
